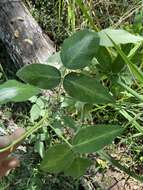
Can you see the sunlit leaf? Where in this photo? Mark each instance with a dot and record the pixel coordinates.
(35, 112)
(39, 147)
(118, 36)
(55, 60)
(14, 91)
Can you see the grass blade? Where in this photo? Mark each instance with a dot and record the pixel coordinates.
(130, 119)
(131, 91)
(119, 166)
(134, 69)
(84, 10)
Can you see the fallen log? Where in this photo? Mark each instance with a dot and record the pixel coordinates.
(21, 35)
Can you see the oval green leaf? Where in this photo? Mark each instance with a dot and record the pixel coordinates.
(57, 158)
(93, 138)
(78, 50)
(43, 76)
(104, 60)
(78, 167)
(14, 91)
(86, 89)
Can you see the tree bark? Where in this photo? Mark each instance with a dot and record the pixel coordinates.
(22, 36)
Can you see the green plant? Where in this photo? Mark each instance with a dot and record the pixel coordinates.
(90, 60)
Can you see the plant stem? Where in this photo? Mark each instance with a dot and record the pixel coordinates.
(25, 135)
(61, 136)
